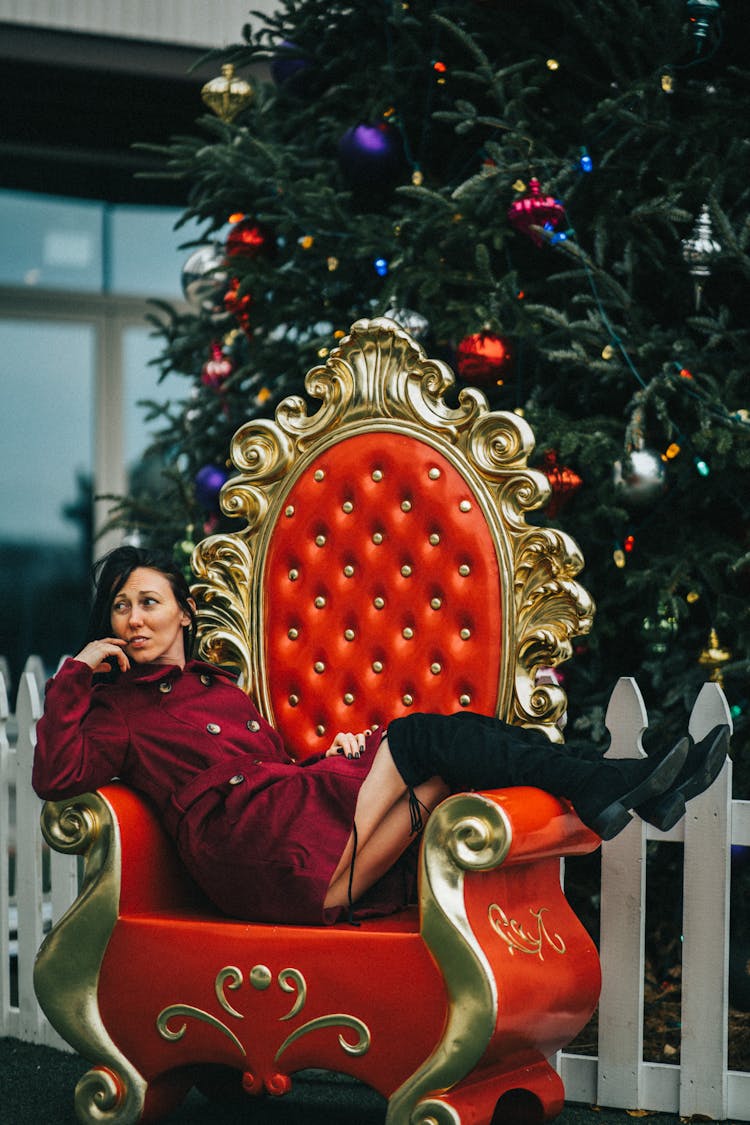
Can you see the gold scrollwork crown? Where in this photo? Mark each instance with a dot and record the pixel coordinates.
(379, 378)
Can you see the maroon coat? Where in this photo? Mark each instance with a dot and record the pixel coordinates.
(260, 833)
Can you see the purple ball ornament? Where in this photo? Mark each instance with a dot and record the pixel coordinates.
(209, 482)
(289, 67)
(372, 156)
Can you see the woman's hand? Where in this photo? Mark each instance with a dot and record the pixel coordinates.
(97, 654)
(350, 745)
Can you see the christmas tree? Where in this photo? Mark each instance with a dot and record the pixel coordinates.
(553, 198)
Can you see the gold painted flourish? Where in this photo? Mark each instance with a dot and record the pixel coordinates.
(516, 937)
(259, 978)
(361, 1047)
(291, 980)
(166, 1014)
(232, 977)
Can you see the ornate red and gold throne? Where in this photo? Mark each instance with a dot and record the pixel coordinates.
(384, 564)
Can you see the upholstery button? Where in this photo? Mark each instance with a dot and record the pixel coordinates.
(379, 603)
(213, 728)
(205, 680)
(289, 510)
(293, 700)
(293, 634)
(407, 633)
(253, 724)
(348, 698)
(320, 729)
(406, 571)
(465, 506)
(319, 602)
(348, 634)
(435, 603)
(347, 507)
(465, 700)
(406, 505)
(377, 666)
(464, 570)
(320, 540)
(237, 779)
(436, 669)
(165, 687)
(348, 571)
(407, 700)
(319, 666)
(293, 575)
(434, 474)
(377, 538)
(377, 474)
(318, 474)
(434, 539)
(465, 634)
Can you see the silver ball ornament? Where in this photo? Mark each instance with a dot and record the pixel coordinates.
(640, 478)
(204, 278)
(412, 322)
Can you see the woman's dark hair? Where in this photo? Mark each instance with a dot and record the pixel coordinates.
(112, 572)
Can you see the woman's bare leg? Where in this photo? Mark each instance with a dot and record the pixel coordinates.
(383, 821)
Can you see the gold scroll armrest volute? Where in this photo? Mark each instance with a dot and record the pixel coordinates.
(467, 832)
(66, 972)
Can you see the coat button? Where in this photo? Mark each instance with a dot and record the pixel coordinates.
(165, 686)
(253, 724)
(237, 779)
(205, 679)
(213, 728)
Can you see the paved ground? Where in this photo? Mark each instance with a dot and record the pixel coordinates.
(36, 1088)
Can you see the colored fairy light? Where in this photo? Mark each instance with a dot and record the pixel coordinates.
(559, 236)
(381, 267)
(685, 374)
(586, 164)
(702, 467)
(619, 557)
(671, 451)
(629, 543)
(439, 66)
(553, 64)
(236, 217)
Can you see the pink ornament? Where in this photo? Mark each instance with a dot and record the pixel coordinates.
(216, 370)
(534, 210)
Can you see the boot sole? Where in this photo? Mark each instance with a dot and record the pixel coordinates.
(665, 811)
(616, 816)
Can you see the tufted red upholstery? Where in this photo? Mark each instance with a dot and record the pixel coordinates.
(382, 592)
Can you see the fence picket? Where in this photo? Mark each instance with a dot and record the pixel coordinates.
(6, 858)
(622, 924)
(700, 1085)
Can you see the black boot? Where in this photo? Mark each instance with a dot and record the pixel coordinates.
(476, 752)
(701, 768)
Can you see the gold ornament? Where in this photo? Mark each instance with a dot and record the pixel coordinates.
(713, 657)
(228, 95)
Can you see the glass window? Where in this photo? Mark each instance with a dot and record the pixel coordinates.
(141, 384)
(144, 250)
(46, 397)
(50, 243)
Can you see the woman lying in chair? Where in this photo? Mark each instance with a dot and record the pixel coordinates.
(269, 839)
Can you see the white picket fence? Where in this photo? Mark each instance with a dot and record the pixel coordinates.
(700, 1085)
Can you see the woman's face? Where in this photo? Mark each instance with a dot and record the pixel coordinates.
(146, 614)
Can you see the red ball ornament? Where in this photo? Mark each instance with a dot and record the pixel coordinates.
(239, 305)
(535, 210)
(247, 239)
(216, 370)
(563, 481)
(482, 358)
